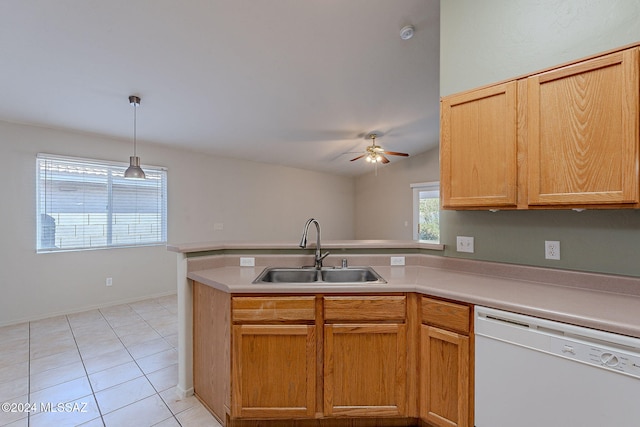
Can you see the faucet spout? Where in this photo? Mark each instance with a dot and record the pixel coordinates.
(303, 242)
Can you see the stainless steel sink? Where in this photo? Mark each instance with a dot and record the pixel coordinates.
(287, 275)
(348, 275)
(323, 276)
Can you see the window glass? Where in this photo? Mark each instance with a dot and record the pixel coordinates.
(426, 211)
(87, 204)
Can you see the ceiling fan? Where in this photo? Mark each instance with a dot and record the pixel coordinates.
(375, 153)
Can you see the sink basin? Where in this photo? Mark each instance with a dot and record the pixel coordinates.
(348, 275)
(287, 275)
(324, 276)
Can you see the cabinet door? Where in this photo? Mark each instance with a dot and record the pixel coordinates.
(273, 371)
(211, 361)
(478, 144)
(365, 370)
(444, 378)
(583, 132)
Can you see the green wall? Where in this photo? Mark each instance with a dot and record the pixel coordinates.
(592, 240)
(491, 40)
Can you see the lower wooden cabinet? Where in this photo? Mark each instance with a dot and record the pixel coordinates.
(365, 355)
(330, 358)
(446, 374)
(211, 352)
(444, 377)
(273, 359)
(273, 371)
(365, 370)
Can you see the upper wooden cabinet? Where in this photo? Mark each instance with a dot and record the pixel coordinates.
(564, 138)
(478, 148)
(583, 132)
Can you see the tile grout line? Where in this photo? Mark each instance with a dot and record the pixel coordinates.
(155, 313)
(139, 367)
(93, 393)
(144, 373)
(29, 372)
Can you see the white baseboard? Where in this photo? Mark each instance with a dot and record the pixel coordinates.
(87, 308)
(182, 394)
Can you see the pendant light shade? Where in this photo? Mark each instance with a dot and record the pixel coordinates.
(134, 171)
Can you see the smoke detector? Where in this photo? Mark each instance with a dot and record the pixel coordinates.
(407, 32)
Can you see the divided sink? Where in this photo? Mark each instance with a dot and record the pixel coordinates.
(323, 276)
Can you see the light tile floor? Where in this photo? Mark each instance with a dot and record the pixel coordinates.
(113, 367)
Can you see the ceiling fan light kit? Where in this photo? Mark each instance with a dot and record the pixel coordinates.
(376, 154)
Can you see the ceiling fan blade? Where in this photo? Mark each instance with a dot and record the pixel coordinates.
(395, 153)
(359, 157)
(384, 159)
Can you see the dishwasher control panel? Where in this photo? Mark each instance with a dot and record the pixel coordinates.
(604, 357)
(605, 350)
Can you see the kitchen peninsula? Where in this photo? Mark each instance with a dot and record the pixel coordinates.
(400, 310)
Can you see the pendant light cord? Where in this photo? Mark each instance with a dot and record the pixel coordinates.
(135, 108)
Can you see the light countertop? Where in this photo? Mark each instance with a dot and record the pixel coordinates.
(329, 244)
(606, 310)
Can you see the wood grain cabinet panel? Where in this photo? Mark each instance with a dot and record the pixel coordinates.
(478, 146)
(332, 360)
(211, 351)
(365, 370)
(365, 360)
(273, 309)
(365, 308)
(274, 371)
(447, 315)
(583, 132)
(444, 379)
(564, 138)
(446, 363)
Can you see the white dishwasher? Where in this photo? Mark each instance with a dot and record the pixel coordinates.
(531, 372)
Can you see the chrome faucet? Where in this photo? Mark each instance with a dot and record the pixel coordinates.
(303, 243)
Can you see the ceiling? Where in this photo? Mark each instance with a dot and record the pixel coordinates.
(291, 82)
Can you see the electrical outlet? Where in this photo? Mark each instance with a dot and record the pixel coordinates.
(247, 262)
(217, 226)
(464, 244)
(397, 260)
(552, 249)
(109, 281)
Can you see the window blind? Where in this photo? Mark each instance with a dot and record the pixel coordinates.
(87, 204)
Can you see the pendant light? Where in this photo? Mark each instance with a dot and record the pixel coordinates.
(134, 171)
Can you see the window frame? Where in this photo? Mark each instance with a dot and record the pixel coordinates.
(431, 186)
(110, 166)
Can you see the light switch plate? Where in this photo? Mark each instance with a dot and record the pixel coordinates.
(464, 244)
(397, 260)
(247, 262)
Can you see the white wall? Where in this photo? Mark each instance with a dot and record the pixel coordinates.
(482, 42)
(384, 202)
(254, 202)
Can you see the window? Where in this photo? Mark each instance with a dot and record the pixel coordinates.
(426, 211)
(87, 204)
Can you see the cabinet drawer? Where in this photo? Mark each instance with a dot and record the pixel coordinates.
(447, 315)
(272, 309)
(365, 308)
